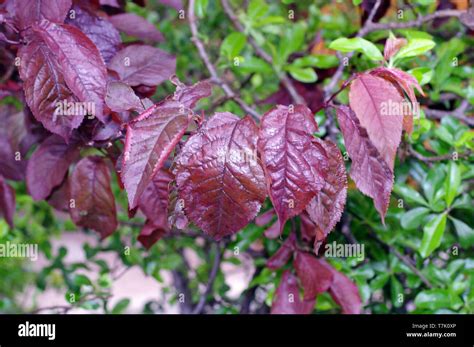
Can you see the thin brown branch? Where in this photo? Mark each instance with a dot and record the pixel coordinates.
(211, 68)
(406, 260)
(285, 79)
(449, 156)
(458, 113)
(219, 249)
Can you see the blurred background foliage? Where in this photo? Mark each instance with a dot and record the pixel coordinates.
(420, 261)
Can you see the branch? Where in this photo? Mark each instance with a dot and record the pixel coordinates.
(457, 113)
(403, 258)
(212, 70)
(425, 159)
(219, 248)
(285, 80)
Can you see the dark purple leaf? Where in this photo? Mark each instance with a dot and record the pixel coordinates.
(284, 253)
(370, 172)
(48, 165)
(154, 200)
(121, 97)
(314, 276)
(101, 32)
(79, 60)
(219, 177)
(295, 167)
(344, 292)
(153, 135)
(378, 106)
(134, 25)
(151, 233)
(93, 201)
(287, 298)
(60, 197)
(28, 12)
(138, 64)
(327, 206)
(7, 202)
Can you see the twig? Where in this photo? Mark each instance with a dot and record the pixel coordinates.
(403, 258)
(448, 156)
(457, 113)
(219, 248)
(212, 70)
(285, 80)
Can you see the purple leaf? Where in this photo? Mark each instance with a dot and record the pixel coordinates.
(327, 206)
(28, 12)
(93, 201)
(101, 32)
(405, 83)
(377, 104)
(273, 231)
(370, 172)
(265, 218)
(314, 276)
(287, 297)
(121, 97)
(7, 202)
(138, 64)
(176, 4)
(79, 60)
(294, 166)
(392, 46)
(219, 177)
(284, 253)
(134, 25)
(60, 197)
(344, 292)
(153, 135)
(48, 165)
(154, 200)
(151, 233)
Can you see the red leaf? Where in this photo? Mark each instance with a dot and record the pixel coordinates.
(369, 171)
(219, 177)
(121, 97)
(392, 46)
(284, 253)
(60, 197)
(101, 32)
(265, 218)
(48, 165)
(327, 206)
(308, 228)
(92, 195)
(153, 135)
(7, 202)
(314, 276)
(151, 233)
(154, 200)
(344, 292)
(134, 25)
(79, 60)
(405, 83)
(273, 231)
(376, 103)
(29, 11)
(287, 297)
(294, 166)
(45, 87)
(138, 64)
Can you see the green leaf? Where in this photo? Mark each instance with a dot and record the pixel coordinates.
(380, 281)
(452, 182)
(82, 280)
(200, 7)
(410, 194)
(432, 235)
(358, 44)
(321, 61)
(413, 218)
(257, 9)
(396, 289)
(422, 74)
(233, 45)
(415, 47)
(356, 2)
(306, 75)
(253, 64)
(292, 41)
(464, 231)
(434, 299)
(121, 306)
